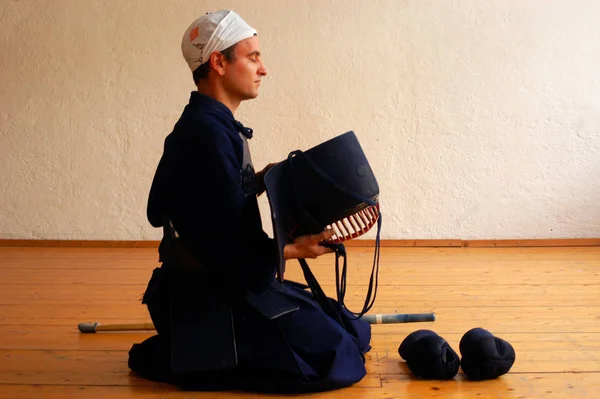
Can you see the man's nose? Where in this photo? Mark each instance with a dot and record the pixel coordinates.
(262, 70)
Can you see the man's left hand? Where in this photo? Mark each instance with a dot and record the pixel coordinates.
(260, 178)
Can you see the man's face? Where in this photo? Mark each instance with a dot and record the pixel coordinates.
(244, 73)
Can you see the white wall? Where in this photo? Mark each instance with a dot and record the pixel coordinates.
(481, 119)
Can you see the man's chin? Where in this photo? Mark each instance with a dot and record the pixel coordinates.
(251, 96)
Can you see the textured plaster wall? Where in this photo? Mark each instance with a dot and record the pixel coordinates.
(481, 119)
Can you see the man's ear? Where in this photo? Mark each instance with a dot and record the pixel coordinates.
(217, 62)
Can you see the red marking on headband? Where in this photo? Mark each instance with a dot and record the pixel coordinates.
(194, 33)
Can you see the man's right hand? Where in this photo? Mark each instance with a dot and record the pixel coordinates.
(308, 246)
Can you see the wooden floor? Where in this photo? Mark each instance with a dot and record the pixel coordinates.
(545, 301)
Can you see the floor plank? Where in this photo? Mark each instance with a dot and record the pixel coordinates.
(545, 301)
(454, 319)
(393, 386)
(555, 295)
(83, 367)
(559, 272)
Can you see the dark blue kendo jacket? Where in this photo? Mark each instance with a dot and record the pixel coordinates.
(206, 187)
(205, 183)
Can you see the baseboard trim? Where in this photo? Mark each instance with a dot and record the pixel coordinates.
(80, 243)
(506, 243)
(569, 242)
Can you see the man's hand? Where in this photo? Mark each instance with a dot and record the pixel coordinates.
(260, 177)
(266, 169)
(307, 246)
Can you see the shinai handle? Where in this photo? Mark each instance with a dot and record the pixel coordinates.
(391, 318)
(96, 327)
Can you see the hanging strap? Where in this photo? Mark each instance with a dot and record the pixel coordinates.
(319, 294)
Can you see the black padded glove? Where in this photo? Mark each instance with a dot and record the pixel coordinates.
(429, 356)
(485, 356)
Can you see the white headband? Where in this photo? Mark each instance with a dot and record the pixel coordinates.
(212, 32)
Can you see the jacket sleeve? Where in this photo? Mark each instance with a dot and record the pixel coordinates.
(213, 214)
(162, 185)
